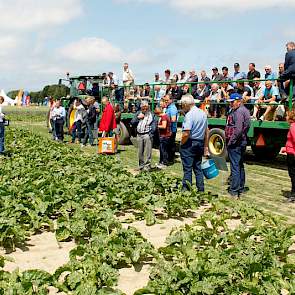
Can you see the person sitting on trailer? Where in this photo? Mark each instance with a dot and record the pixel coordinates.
(271, 97)
(246, 92)
(214, 99)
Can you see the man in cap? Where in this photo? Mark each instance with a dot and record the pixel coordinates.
(237, 126)
(237, 74)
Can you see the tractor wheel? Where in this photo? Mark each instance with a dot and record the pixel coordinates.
(124, 134)
(217, 145)
(265, 153)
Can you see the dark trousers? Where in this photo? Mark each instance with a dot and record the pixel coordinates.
(291, 170)
(164, 146)
(59, 129)
(2, 135)
(171, 147)
(77, 129)
(52, 128)
(236, 159)
(89, 133)
(191, 156)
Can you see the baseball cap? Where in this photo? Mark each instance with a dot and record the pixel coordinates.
(236, 64)
(215, 68)
(235, 96)
(157, 74)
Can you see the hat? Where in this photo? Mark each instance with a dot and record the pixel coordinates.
(157, 74)
(236, 65)
(235, 96)
(214, 69)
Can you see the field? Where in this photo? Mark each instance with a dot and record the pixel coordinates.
(80, 223)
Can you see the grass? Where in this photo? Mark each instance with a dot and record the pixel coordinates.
(266, 180)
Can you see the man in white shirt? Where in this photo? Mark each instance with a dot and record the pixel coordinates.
(58, 117)
(128, 78)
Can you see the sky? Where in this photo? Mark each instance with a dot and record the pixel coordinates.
(42, 40)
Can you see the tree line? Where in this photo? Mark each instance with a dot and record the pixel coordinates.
(55, 91)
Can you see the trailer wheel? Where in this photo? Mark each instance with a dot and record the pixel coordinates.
(217, 145)
(124, 134)
(265, 153)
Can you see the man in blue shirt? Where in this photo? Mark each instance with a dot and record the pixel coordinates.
(194, 142)
(237, 74)
(172, 112)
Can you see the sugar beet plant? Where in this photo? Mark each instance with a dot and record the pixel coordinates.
(43, 183)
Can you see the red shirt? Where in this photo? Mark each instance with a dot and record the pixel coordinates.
(108, 119)
(290, 144)
(167, 131)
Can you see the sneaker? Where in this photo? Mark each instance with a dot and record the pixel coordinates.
(160, 165)
(146, 168)
(261, 118)
(291, 200)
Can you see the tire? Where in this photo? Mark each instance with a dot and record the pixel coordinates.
(124, 134)
(217, 145)
(265, 153)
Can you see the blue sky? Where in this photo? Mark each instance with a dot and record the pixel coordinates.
(42, 40)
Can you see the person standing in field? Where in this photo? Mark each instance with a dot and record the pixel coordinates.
(237, 126)
(80, 116)
(2, 128)
(194, 142)
(90, 121)
(58, 117)
(289, 149)
(172, 113)
(164, 128)
(108, 119)
(145, 124)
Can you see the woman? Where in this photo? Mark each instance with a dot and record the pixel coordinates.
(289, 149)
(164, 128)
(58, 117)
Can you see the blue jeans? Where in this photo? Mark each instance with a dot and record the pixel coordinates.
(77, 129)
(89, 133)
(2, 134)
(236, 159)
(191, 156)
(164, 145)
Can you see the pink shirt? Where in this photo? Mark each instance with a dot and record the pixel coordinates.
(290, 144)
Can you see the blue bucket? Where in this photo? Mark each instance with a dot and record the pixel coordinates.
(209, 169)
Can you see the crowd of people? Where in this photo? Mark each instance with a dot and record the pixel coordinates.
(266, 100)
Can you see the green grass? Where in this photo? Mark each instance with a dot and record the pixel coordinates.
(265, 180)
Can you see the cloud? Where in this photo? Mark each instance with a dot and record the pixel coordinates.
(98, 50)
(218, 8)
(37, 14)
(8, 44)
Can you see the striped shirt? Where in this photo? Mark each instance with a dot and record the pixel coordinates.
(145, 125)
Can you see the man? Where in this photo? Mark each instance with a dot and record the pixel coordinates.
(237, 126)
(128, 78)
(172, 112)
(270, 96)
(193, 78)
(59, 116)
(145, 126)
(157, 79)
(281, 84)
(80, 117)
(225, 74)
(289, 72)
(214, 98)
(245, 91)
(205, 78)
(182, 76)
(237, 74)
(252, 73)
(167, 74)
(194, 142)
(2, 128)
(258, 89)
(112, 79)
(226, 90)
(108, 119)
(269, 74)
(215, 75)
